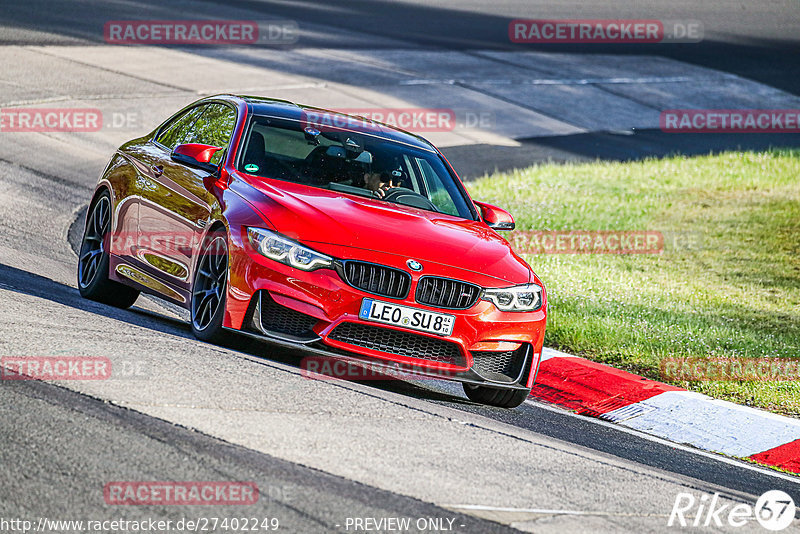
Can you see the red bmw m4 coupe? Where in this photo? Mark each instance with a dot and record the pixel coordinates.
(328, 233)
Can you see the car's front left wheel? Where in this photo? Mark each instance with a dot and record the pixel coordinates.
(209, 288)
(93, 260)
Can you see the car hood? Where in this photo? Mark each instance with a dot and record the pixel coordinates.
(317, 216)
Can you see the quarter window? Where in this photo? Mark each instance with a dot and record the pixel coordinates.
(213, 127)
(173, 134)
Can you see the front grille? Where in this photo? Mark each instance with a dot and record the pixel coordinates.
(377, 279)
(446, 293)
(399, 343)
(500, 366)
(277, 318)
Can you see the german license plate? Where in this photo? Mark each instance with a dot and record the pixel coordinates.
(413, 318)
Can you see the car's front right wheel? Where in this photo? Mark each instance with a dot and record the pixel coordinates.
(503, 398)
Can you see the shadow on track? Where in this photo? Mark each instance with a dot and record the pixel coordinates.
(38, 286)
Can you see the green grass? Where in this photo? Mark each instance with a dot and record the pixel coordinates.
(726, 285)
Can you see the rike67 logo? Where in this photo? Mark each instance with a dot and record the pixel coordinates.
(774, 511)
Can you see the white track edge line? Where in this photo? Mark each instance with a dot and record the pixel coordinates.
(544, 511)
(662, 441)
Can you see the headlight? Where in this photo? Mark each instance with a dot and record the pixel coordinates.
(276, 247)
(527, 297)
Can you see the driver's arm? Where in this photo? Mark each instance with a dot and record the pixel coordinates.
(378, 183)
(382, 190)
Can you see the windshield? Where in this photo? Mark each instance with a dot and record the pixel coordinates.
(351, 162)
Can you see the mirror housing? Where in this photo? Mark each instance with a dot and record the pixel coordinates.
(196, 155)
(496, 218)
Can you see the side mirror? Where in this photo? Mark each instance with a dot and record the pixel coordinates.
(196, 155)
(496, 218)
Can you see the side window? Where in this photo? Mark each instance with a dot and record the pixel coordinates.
(213, 127)
(174, 132)
(412, 174)
(437, 190)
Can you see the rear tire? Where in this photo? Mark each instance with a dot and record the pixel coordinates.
(93, 259)
(210, 288)
(503, 398)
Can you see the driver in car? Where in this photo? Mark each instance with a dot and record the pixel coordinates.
(380, 183)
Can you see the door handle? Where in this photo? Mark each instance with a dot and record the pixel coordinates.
(157, 170)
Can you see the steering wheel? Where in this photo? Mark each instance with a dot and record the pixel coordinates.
(409, 197)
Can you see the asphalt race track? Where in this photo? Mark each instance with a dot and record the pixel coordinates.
(324, 452)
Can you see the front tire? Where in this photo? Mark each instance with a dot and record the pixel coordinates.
(210, 288)
(502, 398)
(93, 260)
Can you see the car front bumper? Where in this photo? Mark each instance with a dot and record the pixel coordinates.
(318, 311)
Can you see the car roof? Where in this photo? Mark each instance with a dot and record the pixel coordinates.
(273, 107)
